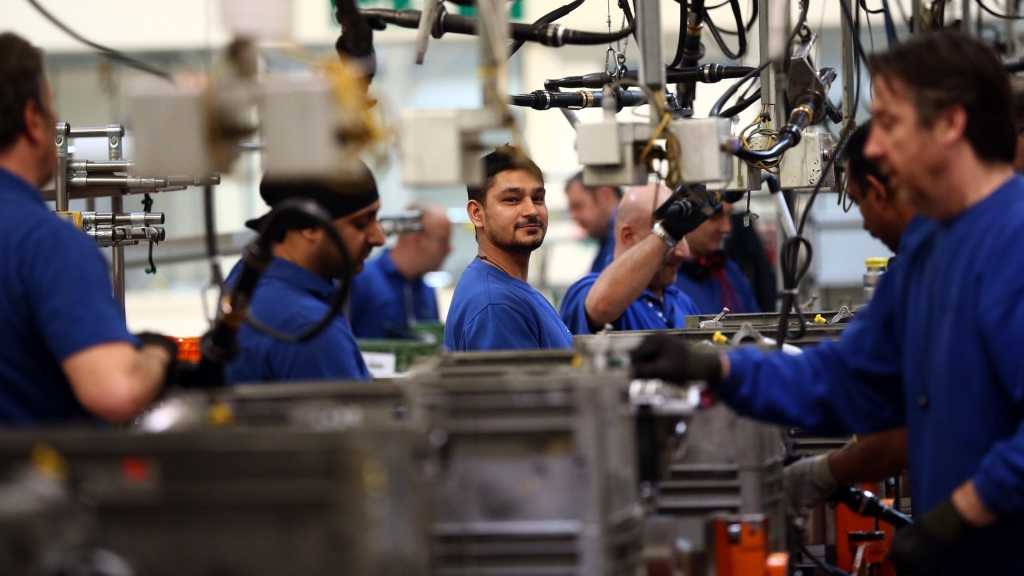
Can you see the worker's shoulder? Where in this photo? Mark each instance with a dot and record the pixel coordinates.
(582, 286)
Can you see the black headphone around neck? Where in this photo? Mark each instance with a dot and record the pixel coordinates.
(701, 268)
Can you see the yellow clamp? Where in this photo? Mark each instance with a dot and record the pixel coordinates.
(49, 462)
(220, 414)
(820, 320)
(718, 337)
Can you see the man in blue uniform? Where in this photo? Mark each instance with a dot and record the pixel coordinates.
(389, 295)
(712, 280)
(593, 208)
(294, 291)
(636, 291)
(65, 353)
(493, 307)
(875, 457)
(938, 348)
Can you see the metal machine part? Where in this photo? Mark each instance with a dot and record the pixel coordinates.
(247, 501)
(397, 223)
(537, 474)
(109, 229)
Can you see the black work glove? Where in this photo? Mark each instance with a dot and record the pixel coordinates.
(673, 360)
(684, 216)
(153, 339)
(924, 547)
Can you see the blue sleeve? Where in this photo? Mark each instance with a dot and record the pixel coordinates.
(331, 355)
(1000, 478)
(499, 327)
(365, 324)
(71, 293)
(573, 309)
(850, 386)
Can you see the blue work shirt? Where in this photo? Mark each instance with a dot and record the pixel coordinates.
(56, 299)
(938, 350)
(381, 298)
(289, 298)
(491, 310)
(607, 251)
(648, 312)
(708, 292)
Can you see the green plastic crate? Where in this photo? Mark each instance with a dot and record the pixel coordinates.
(406, 351)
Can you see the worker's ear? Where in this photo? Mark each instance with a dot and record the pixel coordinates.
(950, 124)
(627, 235)
(36, 122)
(476, 213)
(877, 192)
(311, 235)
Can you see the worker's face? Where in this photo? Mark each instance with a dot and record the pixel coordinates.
(670, 264)
(908, 152)
(874, 209)
(585, 210)
(360, 232)
(708, 236)
(434, 242)
(514, 216)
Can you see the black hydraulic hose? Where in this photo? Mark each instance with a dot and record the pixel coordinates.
(741, 33)
(708, 74)
(867, 504)
(1014, 67)
(624, 6)
(741, 105)
(786, 140)
(753, 72)
(548, 34)
(545, 100)
(548, 18)
(678, 58)
(692, 51)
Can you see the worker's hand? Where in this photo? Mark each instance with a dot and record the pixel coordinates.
(161, 341)
(682, 218)
(808, 482)
(924, 547)
(671, 359)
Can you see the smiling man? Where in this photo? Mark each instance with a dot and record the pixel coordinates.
(493, 307)
(938, 348)
(294, 291)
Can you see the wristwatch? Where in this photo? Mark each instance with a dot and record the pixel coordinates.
(660, 232)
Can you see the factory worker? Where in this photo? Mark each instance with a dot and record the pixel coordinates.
(636, 291)
(712, 280)
(493, 307)
(938, 349)
(875, 457)
(66, 353)
(593, 208)
(389, 295)
(294, 291)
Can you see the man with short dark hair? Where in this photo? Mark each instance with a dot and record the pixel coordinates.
(875, 457)
(389, 295)
(294, 291)
(493, 307)
(65, 353)
(708, 276)
(938, 348)
(635, 291)
(593, 208)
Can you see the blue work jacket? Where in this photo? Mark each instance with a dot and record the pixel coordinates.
(707, 292)
(289, 298)
(491, 310)
(648, 312)
(939, 350)
(383, 301)
(56, 300)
